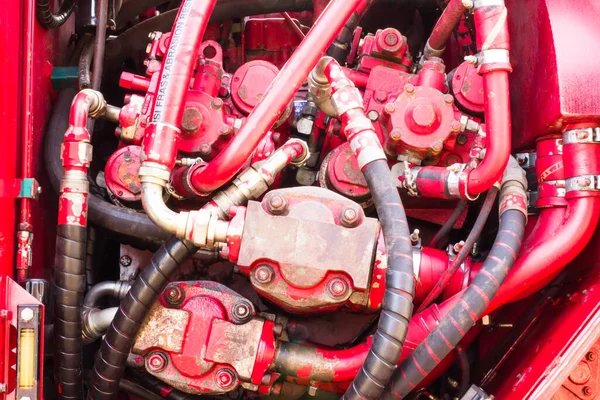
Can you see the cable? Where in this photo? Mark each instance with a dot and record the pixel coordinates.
(482, 218)
(99, 43)
(437, 241)
(47, 18)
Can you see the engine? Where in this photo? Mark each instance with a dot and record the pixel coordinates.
(339, 198)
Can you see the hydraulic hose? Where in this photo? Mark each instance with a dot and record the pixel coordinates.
(123, 221)
(448, 225)
(69, 281)
(341, 46)
(482, 218)
(465, 313)
(118, 341)
(397, 305)
(50, 20)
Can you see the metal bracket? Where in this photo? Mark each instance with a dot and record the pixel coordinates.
(587, 135)
(27, 188)
(582, 183)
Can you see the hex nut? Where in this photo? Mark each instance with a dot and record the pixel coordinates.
(27, 314)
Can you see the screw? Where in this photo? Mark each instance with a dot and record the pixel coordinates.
(337, 287)
(174, 295)
(591, 356)
(263, 274)
(27, 314)
(458, 246)
(312, 390)
(225, 130)
(468, 4)
(409, 88)
(380, 96)
(449, 99)
(225, 378)
(373, 115)
(587, 390)
(349, 217)
(241, 312)
(156, 362)
(125, 261)
(277, 204)
(151, 35)
(452, 383)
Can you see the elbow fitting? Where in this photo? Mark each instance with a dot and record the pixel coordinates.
(319, 88)
(95, 323)
(116, 290)
(96, 103)
(202, 227)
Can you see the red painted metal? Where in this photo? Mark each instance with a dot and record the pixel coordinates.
(275, 100)
(446, 24)
(558, 30)
(160, 141)
(121, 173)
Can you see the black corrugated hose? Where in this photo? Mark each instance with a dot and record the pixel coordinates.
(341, 46)
(463, 316)
(69, 289)
(47, 18)
(118, 342)
(397, 304)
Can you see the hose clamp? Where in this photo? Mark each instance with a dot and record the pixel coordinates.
(487, 3)
(586, 135)
(493, 56)
(582, 183)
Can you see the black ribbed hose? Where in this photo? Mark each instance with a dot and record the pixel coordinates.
(463, 316)
(341, 46)
(397, 305)
(69, 289)
(118, 342)
(50, 20)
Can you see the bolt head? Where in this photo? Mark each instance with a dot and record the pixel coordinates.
(337, 287)
(590, 356)
(581, 135)
(587, 390)
(156, 362)
(373, 115)
(205, 149)
(216, 103)
(27, 314)
(125, 261)
(174, 295)
(277, 204)
(225, 378)
(263, 274)
(396, 134)
(461, 139)
(389, 108)
(391, 39)
(409, 88)
(349, 217)
(241, 311)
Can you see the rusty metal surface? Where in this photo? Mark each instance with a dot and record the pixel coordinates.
(307, 247)
(164, 328)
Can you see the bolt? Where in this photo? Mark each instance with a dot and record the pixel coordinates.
(380, 96)
(471, 59)
(174, 295)
(519, 376)
(437, 146)
(27, 314)
(522, 160)
(396, 134)
(389, 108)
(458, 246)
(337, 287)
(191, 120)
(312, 390)
(151, 35)
(225, 378)
(590, 356)
(452, 382)
(391, 39)
(205, 149)
(225, 130)
(156, 362)
(449, 99)
(414, 237)
(125, 261)
(263, 274)
(277, 204)
(587, 390)
(409, 88)
(461, 139)
(373, 115)
(242, 311)
(468, 4)
(349, 217)
(216, 103)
